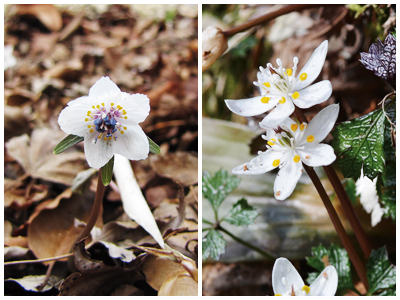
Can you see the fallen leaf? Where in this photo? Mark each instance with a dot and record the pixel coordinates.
(48, 14)
(31, 282)
(179, 283)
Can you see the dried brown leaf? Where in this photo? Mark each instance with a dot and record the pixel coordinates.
(48, 14)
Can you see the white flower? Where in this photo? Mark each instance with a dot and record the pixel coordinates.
(369, 199)
(108, 120)
(280, 88)
(289, 146)
(286, 281)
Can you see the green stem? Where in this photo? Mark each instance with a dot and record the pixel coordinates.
(207, 222)
(95, 210)
(344, 201)
(268, 17)
(239, 240)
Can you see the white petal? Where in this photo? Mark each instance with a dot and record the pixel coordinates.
(323, 122)
(283, 268)
(250, 107)
(105, 91)
(317, 155)
(72, 118)
(314, 94)
(287, 178)
(326, 283)
(278, 114)
(133, 144)
(313, 66)
(259, 165)
(99, 153)
(137, 106)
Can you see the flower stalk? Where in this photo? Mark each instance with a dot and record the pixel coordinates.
(344, 200)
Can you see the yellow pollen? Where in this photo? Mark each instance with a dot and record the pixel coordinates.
(99, 137)
(303, 76)
(91, 130)
(122, 132)
(125, 117)
(93, 107)
(105, 138)
(276, 162)
(88, 112)
(102, 104)
(119, 107)
(109, 138)
(306, 288)
(289, 72)
(98, 106)
(125, 128)
(86, 119)
(294, 127)
(277, 295)
(295, 95)
(302, 126)
(124, 112)
(112, 104)
(283, 100)
(273, 140)
(310, 138)
(265, 99)
(89, 126)
(270, 143)
(296, 159)
(267, 84)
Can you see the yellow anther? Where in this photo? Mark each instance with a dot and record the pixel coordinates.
(303, 76)
(125, 117)
(289, 72)
(277, 295)
(102, 104)
(105, 138)
(119, 107)
(295, 95)
(109, 138)
(93, 107)
(125, 128)
(89, 112)
(89, 126)
(99, 137)
(86, 119)
(267, 84)
(112, 104)
(306, 288)
(270, 143)
(91, 130)
(124, 112)
(283, 100)
(122, 132)
(98, 106)
(310, 138)
(265, 100)
(276, 162)
(273, 140)
(294, 127)
(302, 126)
(296, 159)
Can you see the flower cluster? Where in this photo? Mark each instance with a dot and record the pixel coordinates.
(108, 120)
(286, 281)
(289, 143)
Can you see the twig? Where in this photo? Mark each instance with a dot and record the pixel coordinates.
(20, 262)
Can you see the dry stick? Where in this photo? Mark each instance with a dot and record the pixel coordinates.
(95, 210)
(268, 17)
(344, 201)
(344, 238)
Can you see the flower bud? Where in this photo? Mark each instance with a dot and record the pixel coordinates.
(214, 44)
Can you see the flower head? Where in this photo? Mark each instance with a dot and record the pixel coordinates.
(108, 120)
(291, 144)
(281, 89)
(286, 281)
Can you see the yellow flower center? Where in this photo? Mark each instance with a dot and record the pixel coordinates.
(302, 126)
(276, 162)
(289, 72)
(283, 100)
(294, 127)
(265, 100)
(267, 84)
(296, 159)
(295, 95)
(310, 138)
(306, 288)
(277, 295)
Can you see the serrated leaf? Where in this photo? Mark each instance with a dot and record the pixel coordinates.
(336, 257)
(380, 272)
(67, 143)
(241, 214)
(388, 292)
(154, 148)
(213, 245)
(359, 144)
(107, 171)
(216, 188)
(351, 190)
(311, 277)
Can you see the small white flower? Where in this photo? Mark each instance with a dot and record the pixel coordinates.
(286, 281)
(108, 120)
(291, 145)
(369, 199)
(280, 88)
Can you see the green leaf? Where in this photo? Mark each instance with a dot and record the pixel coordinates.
(107, 171)
(351, 190)
(311, 277)
(336, 257)
(380, 272)
(213, 245)
(388, 292)
(216, 188)
(67, 143)
(241, 214)
(154, 148)
(358, 144)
